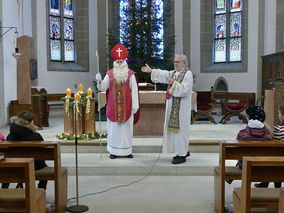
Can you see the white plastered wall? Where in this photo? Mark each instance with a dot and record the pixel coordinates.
(237, 82)
(55, 81)
(14, 14)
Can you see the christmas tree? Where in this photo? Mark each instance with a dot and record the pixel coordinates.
(142, 27)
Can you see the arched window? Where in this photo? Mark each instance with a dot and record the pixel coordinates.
(61, 30)
(227, 45)
(155, 23)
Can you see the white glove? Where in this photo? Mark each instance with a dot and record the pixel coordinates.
(98, 76)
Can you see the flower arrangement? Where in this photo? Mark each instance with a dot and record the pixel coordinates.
(82, 137)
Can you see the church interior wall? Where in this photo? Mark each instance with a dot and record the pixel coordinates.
(178, 20)
(2, 97)
(269, 27)
(14, 14)
(280, 26)
(263, 33)
(58, 81)
(241, 77)
(262, 10)
(186, 27)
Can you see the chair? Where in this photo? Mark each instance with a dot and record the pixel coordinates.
(234, 109)
(205, 104)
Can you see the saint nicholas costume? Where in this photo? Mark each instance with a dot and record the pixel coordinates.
(122, 104)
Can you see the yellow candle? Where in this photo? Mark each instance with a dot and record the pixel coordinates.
(68, 92)
(78, 97)
(81, 87)
(90, 92)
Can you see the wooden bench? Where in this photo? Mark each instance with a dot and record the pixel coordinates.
(281, 201)
(260, 169)
(43, 150)
(55, 99)
(236, 150)
(29, 199)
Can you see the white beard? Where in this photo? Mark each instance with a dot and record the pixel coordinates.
(120, 72)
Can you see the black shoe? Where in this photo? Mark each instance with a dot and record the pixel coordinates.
(20, 186)
(129, 156)
(178, 160)
(277, 184)
(261, 185)
(187, 154)
(229, 181)
(112, 156)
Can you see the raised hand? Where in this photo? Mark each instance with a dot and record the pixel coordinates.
(146, 68)
(98, 76)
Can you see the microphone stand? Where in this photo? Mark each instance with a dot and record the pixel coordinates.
(77, 207)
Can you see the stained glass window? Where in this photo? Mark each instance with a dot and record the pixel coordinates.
(69, 51)
(68, 29)
(220, 50)
(157, 8)
(54, 27)
(235, 49)
(54, 7)
(220, 6)
(236, 24)
(227, 31)
(68, 11)
(61, 22)
(236, 5)
(220, 26)
(55, 50)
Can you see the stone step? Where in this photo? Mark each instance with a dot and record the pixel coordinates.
(140, 145)
(198, 164)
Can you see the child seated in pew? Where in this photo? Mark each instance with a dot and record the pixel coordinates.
(278, 134)
(23, 129)
(255, 129)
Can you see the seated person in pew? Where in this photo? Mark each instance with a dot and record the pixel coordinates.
(23, 129)
(255, 130)
(278, 134)
(2, 137)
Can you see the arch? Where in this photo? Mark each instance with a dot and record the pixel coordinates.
(221, 85)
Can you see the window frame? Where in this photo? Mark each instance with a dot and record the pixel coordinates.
(62, 39)
(228, 37)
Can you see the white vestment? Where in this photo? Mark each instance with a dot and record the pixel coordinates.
(120, 134)
(176, 141)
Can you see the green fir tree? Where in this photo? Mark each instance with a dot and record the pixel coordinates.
(139, 37)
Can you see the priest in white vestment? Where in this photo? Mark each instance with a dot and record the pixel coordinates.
(122, 103)
(178, 107)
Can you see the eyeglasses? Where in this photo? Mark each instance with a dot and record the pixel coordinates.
(178, 61)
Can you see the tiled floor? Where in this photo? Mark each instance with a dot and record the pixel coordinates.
(163, 187)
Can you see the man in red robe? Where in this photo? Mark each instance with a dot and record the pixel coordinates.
(122, 103)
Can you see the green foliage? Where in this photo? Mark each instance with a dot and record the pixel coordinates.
(140, 41)
(82, 137)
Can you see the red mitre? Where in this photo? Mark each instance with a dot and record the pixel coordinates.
(119, 52)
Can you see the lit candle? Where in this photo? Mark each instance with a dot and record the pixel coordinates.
(68, 92)
(78, 97)
(81, 87)
(90, 92)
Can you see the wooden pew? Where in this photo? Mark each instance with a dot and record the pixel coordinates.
(259, 169)
(281, 201)
(43, 150)
(29, 199)
(235, 150)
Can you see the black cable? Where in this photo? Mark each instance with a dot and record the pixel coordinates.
(7, 30)
(123, 185)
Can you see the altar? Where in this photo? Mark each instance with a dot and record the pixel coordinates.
(152, 112)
